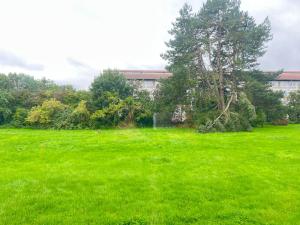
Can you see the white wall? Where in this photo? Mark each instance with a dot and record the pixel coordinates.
(147, 85)
(285, 86)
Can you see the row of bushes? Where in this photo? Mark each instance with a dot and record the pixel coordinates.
(54, 114)
(110, 102)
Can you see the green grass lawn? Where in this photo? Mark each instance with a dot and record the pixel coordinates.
(145, 176)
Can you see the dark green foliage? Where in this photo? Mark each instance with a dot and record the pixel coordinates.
(62, 119)
(18, 82)
(234, 122)
(68, 95)
(80, 116)
(211, 126)
(239, 119)
(111, 115)
(245, 108)
(164, 118)
(4, 82)
(19, 117)
(174, 92)
(265, 100)
(109, 81)
(27, 92)
(5, 106)
(117, 103)
(144, 116)
(294, 107)
(260, 120)
(125, 113)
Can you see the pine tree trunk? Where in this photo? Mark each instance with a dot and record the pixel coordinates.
(221, 104)
(221, 93)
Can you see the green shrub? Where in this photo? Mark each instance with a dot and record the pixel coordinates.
(46, 115)
(211, 127)
(5, 115)
(80, 117)
(260, 120)
(238, 119)
(280, 122)
(5, 109)
(110, 81)
(19, 117)
(109, 116)
(294, 107)
(234, 122)
(62, 119)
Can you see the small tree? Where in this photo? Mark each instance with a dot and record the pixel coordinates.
(294, 107)
(144, 116)
(80, 116)
(125, 113)
(46, 115)
(111, 115)
(19, 117)
(109, 81)
(136, 114)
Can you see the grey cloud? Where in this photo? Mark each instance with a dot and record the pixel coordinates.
(76, 63)
(10, 59)
(284, 50)
(85, 74)
(80, 65)
(80, 83)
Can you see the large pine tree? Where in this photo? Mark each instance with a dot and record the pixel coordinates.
(210, 48)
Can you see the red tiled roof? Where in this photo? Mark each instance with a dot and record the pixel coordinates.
(146, 74)
(163, 74)
(291, 75)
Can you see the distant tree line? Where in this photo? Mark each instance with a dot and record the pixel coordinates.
(110, 102)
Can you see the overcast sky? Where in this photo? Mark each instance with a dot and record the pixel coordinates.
(70, 41)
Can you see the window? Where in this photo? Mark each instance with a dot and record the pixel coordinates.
(149, 84)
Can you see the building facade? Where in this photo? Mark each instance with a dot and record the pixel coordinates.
(286, 82)
(146, 79)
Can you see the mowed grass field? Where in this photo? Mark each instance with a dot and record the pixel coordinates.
(146, 176)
